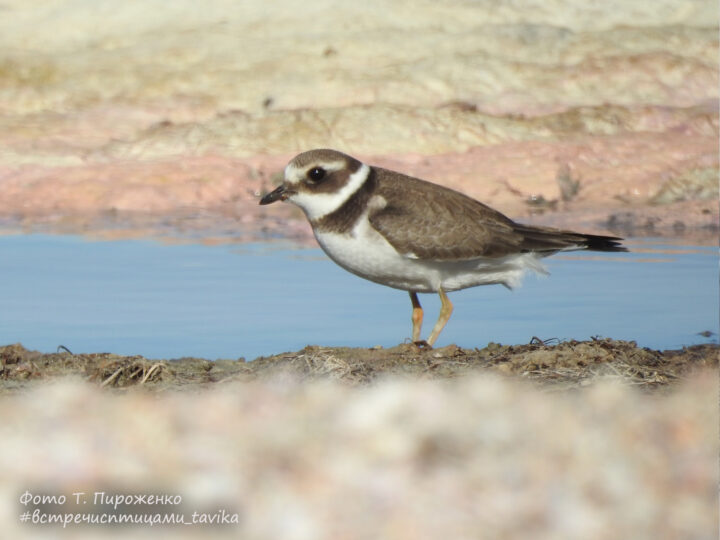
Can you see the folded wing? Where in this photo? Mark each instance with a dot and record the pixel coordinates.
(420, 220)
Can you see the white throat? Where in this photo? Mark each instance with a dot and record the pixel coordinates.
(317, 205)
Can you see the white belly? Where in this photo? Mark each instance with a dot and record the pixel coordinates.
(367, 254)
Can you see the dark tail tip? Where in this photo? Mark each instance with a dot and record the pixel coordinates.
(594, 242)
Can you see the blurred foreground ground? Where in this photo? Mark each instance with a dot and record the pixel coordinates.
(622, 445)
(578, 440)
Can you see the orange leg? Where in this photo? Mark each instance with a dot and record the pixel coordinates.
(417, 316)
(445, 311)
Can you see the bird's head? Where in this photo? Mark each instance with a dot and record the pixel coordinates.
(319, 181)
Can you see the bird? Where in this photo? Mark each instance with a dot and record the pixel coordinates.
(415, 235)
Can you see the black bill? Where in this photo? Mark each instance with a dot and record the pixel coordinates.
(275, 195)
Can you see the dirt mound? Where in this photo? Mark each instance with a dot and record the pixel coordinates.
(559, 366)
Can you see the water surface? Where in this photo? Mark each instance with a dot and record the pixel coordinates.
(229, 301)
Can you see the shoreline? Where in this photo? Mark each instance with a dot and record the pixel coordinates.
(689, 222)
(560, 366)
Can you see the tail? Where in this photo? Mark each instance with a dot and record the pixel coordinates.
(548, 240)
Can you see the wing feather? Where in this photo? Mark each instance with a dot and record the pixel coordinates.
(421, 221)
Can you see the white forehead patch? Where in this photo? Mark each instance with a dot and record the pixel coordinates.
(317, 205)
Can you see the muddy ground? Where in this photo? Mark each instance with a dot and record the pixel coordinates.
(562, 365)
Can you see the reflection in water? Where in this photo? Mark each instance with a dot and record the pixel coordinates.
(227, 301)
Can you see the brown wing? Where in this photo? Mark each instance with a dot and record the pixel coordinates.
(421, 221)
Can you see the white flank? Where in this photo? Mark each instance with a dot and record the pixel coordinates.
(317, 205)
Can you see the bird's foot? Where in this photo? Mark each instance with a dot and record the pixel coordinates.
(422, 344)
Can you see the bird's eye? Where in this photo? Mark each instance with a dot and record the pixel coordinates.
(316, 174)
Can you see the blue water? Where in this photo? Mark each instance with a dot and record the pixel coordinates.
(230, 301)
